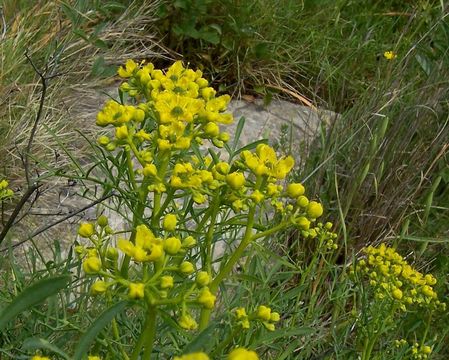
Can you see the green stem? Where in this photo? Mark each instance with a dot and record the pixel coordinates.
(210, 232)
(137, 219)
(147, 335)
(132, 178)
(157, 196)
(227, 268)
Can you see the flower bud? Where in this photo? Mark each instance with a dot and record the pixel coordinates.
(103, 140)
(98, 287)
(235, 180)
(102, 221)
(203, 278)
(149, 170)
(92, 265)
(186, 267)
(112, 253)
(189, 242)
(211, 129)
(86, 230)
(222, 168)
(314, 210)
(295, 189)
(136, 291)
(121, 132)
(302, 201)
(275, 317)
(169, 222)
(166, 282)
(172, 245)
(303, 223)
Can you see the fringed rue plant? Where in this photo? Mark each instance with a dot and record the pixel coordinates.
(185, 197)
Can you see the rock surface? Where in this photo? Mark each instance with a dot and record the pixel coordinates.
(300, 125)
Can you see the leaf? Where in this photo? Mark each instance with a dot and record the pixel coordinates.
(37, 343)
(209, 34)
(238, 132)
(96, 327)
(424, 63)
(202, 341)
(32, 296)
(101, 69)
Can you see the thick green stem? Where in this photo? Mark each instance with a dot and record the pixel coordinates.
(146, 338)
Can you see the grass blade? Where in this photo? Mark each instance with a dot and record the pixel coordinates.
(37, 343)
(91, 334)
(32, 296)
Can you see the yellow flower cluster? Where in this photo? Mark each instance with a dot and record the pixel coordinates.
(5, 192)
(177, 104)
(393, 278)
(390, 55)
(420, 352)
(416, 351)
(236, 354)
(164, 253)
(263, 314)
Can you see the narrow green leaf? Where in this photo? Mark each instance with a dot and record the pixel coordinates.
(32, 296)
(97, 326)
(202, 341)
(37, 343)
(238, 132)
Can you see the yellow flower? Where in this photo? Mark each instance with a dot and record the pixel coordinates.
(127, 72)
(166, 282)
(146, 248)
(93, 357)
(264, 313)
(169, 223)
(390, 55)
(257, 196)
(86, 230)
(193, 356)
(206, 298)
(397, 294)
(187, 322)
(242, 354)
(37, 357)
(136, 290)
(314, 210)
